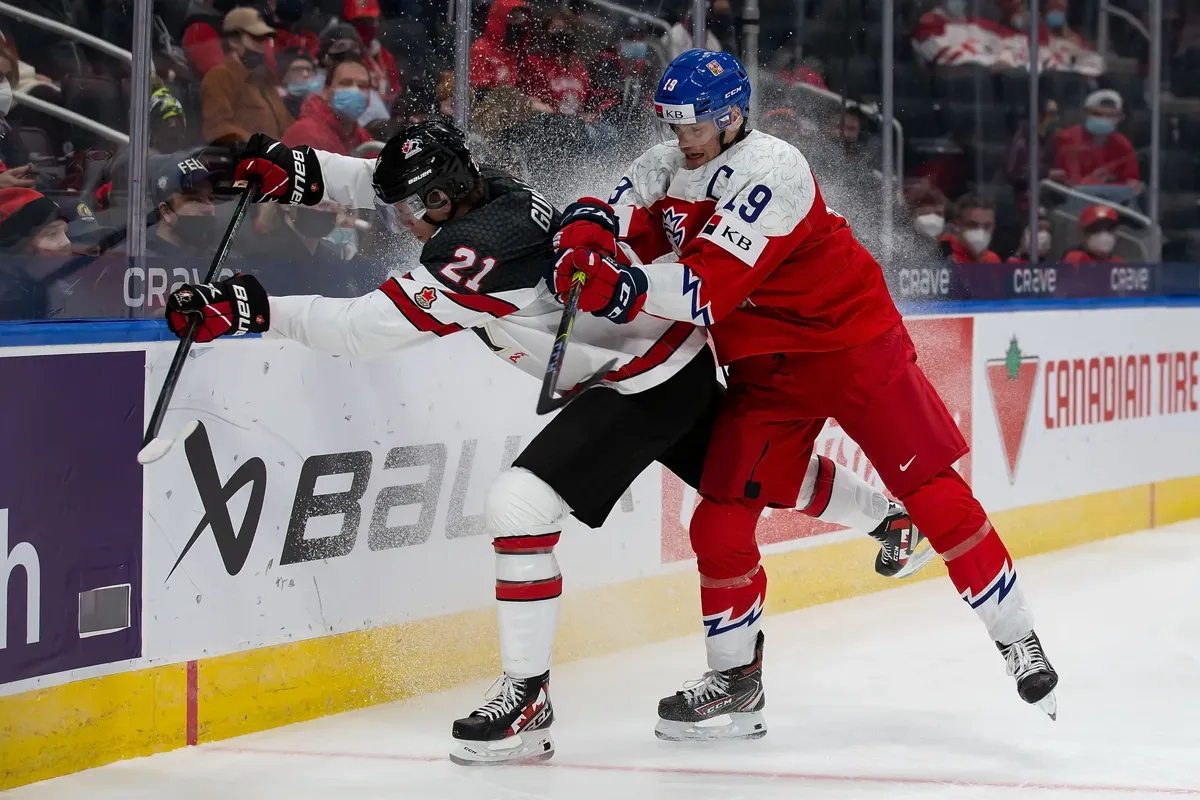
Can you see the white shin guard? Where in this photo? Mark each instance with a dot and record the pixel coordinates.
(833, 493)
(524, 515)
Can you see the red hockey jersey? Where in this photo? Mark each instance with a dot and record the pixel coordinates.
(755, 252)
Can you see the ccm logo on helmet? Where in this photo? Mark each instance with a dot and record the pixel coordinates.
(298, 180)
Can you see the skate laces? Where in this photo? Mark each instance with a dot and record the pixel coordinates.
(1024, 656)
(713, 684)
(502, 696)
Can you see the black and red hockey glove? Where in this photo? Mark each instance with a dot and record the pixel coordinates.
(232, 307)
(610, 289)
(285, 174)
(588, 224)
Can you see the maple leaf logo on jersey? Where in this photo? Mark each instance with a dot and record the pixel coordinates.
(673, 225)
(1011, 381)
(425, 297)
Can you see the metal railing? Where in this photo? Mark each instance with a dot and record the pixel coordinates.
(67, 32)
(1151, 253)
(641, 16)
(70, 117)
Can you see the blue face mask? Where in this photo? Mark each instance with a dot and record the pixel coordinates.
(344, 241)
(1056, 19)
(633, 50)
(1100, 126)
(349, 104)
(305, 88)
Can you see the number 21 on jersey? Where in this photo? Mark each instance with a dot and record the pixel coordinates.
(464, 259)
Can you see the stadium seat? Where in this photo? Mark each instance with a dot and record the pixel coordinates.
(964, 85)
(98, 98)
(1131, 87)
(1070, 89)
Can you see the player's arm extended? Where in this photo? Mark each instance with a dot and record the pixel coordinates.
(736, 250)
(348, 180)
(400, 313)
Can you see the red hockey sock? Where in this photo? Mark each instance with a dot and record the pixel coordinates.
(945, 510)
(733, 585)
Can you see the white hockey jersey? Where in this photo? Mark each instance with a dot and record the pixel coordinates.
(485, 271)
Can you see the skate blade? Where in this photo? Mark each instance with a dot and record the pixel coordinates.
(920, 557)
(522, 748)
(1049, 704)
(746, 725)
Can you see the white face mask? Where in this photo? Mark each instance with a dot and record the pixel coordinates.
(6, 97)
(932, 225)
(978, 240)
(1102, 243)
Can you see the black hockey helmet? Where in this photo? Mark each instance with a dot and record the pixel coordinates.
(425, 166)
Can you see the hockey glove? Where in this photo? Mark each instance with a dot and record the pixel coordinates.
(234, 307)
(287, 175)
(588, 224)
(610, 290)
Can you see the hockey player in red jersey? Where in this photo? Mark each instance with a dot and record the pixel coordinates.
(801, 316)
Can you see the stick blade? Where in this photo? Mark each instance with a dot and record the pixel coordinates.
(158, 447)
(548, 402)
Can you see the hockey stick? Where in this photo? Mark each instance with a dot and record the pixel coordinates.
(547, 401)
(154, 447)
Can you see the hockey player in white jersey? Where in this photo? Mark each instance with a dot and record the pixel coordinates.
(486, 257)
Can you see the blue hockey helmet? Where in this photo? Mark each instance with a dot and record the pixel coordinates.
(701, 85)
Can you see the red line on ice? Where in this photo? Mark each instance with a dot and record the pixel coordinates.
(733, 773)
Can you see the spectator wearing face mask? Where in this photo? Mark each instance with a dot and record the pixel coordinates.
(183, 197)
(306, 250)
(553, 73)
(385, 77)
(15, 169)
(1044, 240)
(329, 118)
(971, 235)
(927, 207)
(496, 54)
(1098, 224)
(1094, 154)
(239, 97)
(33, 234)
(298, 75)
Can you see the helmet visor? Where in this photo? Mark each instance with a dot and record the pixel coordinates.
(688, 130)
(396, 216)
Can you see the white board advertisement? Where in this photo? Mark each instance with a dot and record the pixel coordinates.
(321, 496)
(1071, 403)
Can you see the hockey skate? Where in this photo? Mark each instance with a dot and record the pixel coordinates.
(721, 705)
(1026, 661)
(512, 726)
(903, 549)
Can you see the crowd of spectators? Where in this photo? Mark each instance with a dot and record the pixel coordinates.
(559, 88)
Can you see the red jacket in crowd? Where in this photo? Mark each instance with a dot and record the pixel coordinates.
(961, 254)
(320, 128)
(563, 87)
(1088, 160)
(385, 75)
(202, 45)
(1081, 256)
(492, 63)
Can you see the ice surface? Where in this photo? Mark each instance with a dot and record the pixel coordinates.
(895, 695)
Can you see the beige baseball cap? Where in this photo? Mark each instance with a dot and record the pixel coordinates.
(247, 20)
